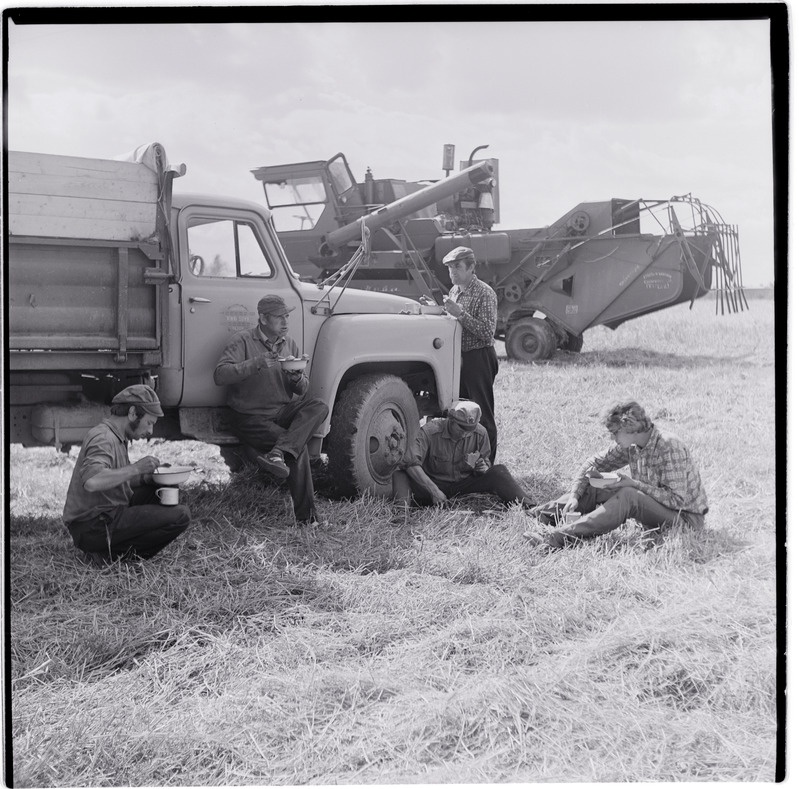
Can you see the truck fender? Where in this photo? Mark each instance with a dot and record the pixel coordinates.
(389, 343)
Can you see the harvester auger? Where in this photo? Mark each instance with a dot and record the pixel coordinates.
(601, 263)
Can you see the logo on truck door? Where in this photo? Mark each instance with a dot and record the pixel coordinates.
(238, 317)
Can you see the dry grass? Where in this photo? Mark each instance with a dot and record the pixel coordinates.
(425, 646)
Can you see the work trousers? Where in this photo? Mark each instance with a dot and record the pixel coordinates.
(604, 510)
(478, 370)
(496, 480)
(139, 530)
(289, 430)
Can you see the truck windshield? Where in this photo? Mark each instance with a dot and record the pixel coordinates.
(296, 203)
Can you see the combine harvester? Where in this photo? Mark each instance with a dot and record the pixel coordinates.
(600, 264)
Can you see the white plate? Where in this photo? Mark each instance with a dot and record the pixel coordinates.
(171, 475)
(607, 479)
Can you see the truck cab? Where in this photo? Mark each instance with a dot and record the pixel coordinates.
(228, 257)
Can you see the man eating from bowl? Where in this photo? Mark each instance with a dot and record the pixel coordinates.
(663, 488)
(269, 410)
(112, 510)
(451, 457)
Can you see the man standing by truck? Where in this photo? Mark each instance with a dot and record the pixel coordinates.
(268, 406)
(112, 510)
(474, 304)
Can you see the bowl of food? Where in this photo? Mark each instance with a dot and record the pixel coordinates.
(292, 363)
(604, 480)
(171, 475)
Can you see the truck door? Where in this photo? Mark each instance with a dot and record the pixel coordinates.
(229, 259)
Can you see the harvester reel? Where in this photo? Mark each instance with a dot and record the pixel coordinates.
(579, 222)
(530, 340)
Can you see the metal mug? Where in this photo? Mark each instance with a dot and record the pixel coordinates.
(167, 496)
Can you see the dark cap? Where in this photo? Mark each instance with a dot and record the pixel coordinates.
(459, 253)
(466, 414)
(141, 395)
(273, 305)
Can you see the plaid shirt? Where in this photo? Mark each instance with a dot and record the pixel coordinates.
(479, 317)
(662, 469)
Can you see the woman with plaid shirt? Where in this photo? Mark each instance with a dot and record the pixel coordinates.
(663, 488)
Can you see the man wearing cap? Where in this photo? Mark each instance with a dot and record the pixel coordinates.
(268, 406)
(474, 304)
(451, 458)
(112, 510)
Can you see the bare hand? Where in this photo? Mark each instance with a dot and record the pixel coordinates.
(437, 495)
(481, 466)
(571, 504)
(452, 307)
(270, 358)
(294, 375)
(624, 482)
(147, 464)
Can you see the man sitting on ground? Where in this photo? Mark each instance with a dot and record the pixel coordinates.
(268, 406)
(663, 489)
(450, 458)
(112, 510)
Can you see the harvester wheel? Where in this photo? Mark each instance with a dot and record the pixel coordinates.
(530, 340)
(373, 423)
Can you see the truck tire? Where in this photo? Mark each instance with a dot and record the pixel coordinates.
(530, 340)
(373, 423)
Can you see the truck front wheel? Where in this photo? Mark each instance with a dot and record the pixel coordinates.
(530, 340)
(373, 423)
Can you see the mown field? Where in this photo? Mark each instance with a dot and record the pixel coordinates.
(431, 646)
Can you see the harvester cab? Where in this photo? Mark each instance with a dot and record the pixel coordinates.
(320, 211)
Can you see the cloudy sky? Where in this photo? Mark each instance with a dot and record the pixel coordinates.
(574, 111)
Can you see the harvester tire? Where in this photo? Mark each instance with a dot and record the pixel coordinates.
(374, 421)
(530, 340)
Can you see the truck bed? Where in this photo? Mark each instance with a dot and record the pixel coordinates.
(83, 245)
(73, 197)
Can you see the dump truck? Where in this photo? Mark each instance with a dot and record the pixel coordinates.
(115, 279)
(600, 263)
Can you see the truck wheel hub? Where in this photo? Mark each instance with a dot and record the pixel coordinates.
(386, 441)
